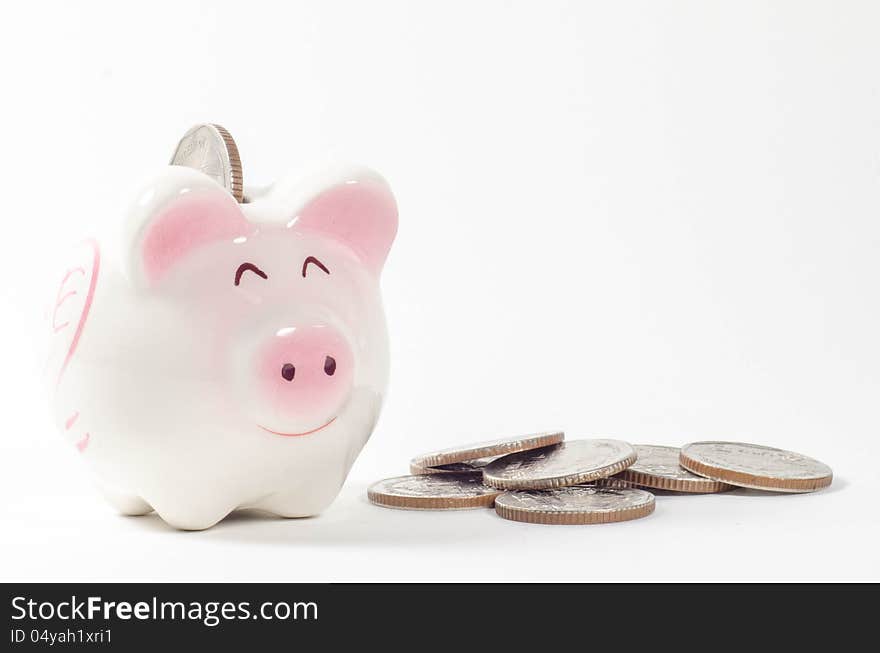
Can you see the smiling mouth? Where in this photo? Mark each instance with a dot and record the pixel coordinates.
(294, 435)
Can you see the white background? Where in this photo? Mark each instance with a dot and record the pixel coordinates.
(652, 221)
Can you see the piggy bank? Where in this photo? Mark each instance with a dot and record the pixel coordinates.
(226, 355)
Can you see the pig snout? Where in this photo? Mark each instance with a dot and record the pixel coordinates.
(305, 376)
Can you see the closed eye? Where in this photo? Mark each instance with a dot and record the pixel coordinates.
(245, 267)
(312, 259)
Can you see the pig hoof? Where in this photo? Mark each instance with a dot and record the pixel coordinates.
(294, 515)
(127, 504)
(191, 522)
(293, 506)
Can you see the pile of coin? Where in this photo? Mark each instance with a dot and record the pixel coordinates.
(544, 479)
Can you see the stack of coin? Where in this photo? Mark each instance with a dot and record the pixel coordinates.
(545, 479)
(658, 468)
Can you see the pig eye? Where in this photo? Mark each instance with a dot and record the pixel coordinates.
(312, 259)
(244, 267)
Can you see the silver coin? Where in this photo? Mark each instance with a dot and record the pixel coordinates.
(488, 448)
(658, 467)
(432, 492)
(569, 463)
(465, 467)
(755, 466)
(211, 150)
(575, 505)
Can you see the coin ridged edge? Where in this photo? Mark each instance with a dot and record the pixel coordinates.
(431, 503)
(561, 481)
(554, 517)
(514, 445)
(753, 481)
(236, 181)
(615, 483)
(704, 486)
(418, 470)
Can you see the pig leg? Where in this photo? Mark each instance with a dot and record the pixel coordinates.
(194, 514)
(189, 520)
(297, 503)
(126, 504)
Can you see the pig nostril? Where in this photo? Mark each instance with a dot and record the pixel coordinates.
(288, 371)
(329, 366)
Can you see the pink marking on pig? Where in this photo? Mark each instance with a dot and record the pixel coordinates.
(63, 325)
(69, 274)
(188, 223)
(82, 444)
(71, 420)
(87, 304)
(59, 299)
(359, 214)
(296, 435)
(66, 296)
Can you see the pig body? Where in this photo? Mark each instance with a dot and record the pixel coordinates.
(229, 355)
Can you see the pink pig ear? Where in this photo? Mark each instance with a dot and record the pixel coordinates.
(178, 213)
(359, 211)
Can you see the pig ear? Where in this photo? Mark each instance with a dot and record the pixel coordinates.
(178, 213)
(356, 209)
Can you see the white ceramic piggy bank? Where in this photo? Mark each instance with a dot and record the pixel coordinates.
(229, 355)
